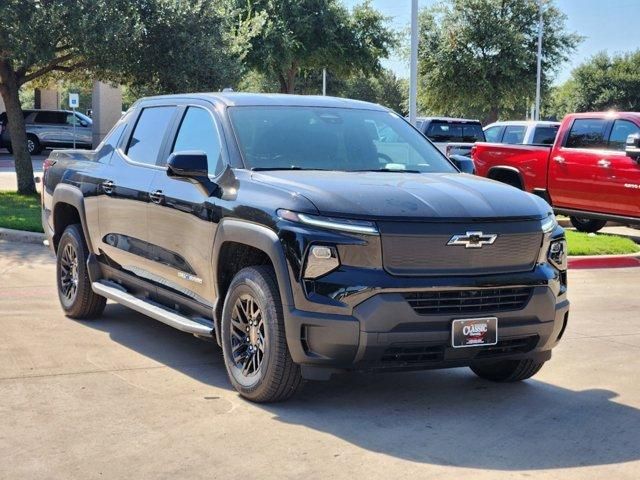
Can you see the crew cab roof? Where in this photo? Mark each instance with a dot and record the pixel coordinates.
(541, 123)
(232, 99)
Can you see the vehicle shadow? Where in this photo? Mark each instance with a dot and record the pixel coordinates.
(446, 417)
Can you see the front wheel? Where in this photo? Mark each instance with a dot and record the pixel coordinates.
(255, 348)
(588, 225)
(507, 370)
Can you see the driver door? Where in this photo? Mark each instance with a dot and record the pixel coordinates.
(182, 217)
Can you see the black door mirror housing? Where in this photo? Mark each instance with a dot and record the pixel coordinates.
(193, 166)
(464, 164)
(632, 148)
(188, 164)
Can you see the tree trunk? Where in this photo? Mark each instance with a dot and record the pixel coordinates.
(493, 115)
(283, 84)
(288, 79)
(9, 89)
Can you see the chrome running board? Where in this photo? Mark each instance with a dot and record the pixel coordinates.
(199, 326)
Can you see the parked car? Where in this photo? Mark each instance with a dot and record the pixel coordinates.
(308, 235)
(586, 174)
(50, 129)
(452, 136)
(522, 132)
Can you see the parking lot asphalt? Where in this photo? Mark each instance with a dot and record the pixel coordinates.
(128, 397)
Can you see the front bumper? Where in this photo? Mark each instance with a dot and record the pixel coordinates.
(385, 333)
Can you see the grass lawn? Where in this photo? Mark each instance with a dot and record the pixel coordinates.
(599, 244)
(20, 212)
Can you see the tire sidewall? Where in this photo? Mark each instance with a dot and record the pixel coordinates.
(249, 281)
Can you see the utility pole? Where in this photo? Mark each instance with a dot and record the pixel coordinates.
(413, 74)
(539, 71)
(324, 82)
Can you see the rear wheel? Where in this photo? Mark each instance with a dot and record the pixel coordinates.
(74, 286)
(255, 349)
(33, 145)
(507, 370)
(589, 225)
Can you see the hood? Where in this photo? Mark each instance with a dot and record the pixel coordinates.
(386, 195)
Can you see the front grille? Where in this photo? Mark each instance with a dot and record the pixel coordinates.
(509, 347)
(423, 249)
(413, 355)
(469, 301)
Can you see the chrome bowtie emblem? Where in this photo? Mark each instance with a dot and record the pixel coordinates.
(473, 239)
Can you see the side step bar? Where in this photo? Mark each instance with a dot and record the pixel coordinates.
(202, 327)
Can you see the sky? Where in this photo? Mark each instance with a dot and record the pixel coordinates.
(609, 25)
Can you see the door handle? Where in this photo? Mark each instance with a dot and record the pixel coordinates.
(604, 163)
(558, 159)
(108, 186)
(157, 196)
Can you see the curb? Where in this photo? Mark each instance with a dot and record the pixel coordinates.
(604, 261)
(21, 236)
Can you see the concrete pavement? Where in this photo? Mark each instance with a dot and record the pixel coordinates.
(127, 397)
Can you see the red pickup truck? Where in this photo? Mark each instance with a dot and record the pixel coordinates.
(591, 173)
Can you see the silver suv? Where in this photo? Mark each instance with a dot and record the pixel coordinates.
(50, 129)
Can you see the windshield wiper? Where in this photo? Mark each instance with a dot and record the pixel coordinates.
(264, 169)
(394, 170)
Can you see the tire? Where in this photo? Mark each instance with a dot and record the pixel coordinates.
(588, 225)
(74, 286)
(507, 370)
(33, 145)
(267, 372)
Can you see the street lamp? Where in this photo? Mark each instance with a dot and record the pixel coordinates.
(539, 71)
(413, 73)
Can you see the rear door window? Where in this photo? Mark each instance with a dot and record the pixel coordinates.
(587, 133)
(514, 134)
(149, 133)
(545, 135)
(494, 134)
(619, 133)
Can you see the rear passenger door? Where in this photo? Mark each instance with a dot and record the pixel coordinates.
(182, 216)
(574, 168)
(124, 190)
(50, 127)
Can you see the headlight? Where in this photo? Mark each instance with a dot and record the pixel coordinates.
(558, 254)
(549, 224)
(341, 224)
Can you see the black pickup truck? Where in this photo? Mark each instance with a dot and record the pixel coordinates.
(309, 236)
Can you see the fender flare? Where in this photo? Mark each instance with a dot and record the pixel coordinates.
(257, 236)
(507, 168)
(71, 195)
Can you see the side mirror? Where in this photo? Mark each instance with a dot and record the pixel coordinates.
(190, 164)
(632, 148)
(464, 164)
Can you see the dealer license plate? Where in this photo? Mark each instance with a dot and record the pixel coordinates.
(474, 332)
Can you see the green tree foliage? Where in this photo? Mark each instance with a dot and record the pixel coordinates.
(478, 57)
(602, 83)
(306, 35)
(165, 45)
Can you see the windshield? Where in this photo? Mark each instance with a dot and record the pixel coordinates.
(332, 139)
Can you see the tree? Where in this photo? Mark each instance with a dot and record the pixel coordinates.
(306, 35)
(167, 45)
(478, 57)
(602, 83)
